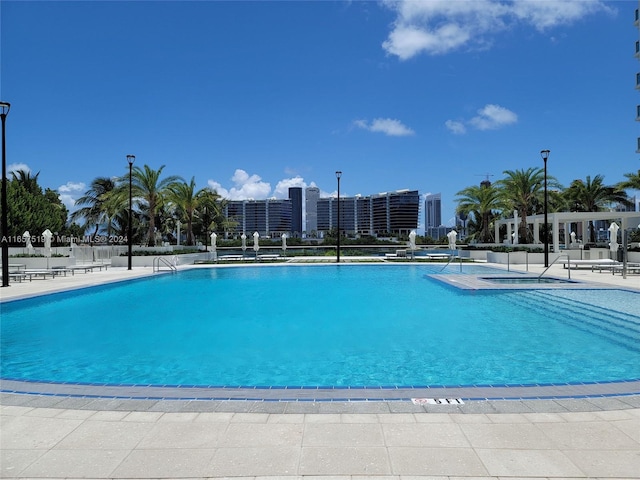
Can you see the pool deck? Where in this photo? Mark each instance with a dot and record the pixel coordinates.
(596, 434)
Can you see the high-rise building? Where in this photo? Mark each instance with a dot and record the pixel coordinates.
(269, 218)
(433, 211)
(392, 213)
(312, 195)
(295, 195)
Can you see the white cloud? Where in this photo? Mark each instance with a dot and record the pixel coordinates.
(440, 26)
(68, 193)
(490, 117)
(493, 116)
(245, 187)
(456, 127)
(71, 187)
(282, 187)
(388, 126)
(14, 167)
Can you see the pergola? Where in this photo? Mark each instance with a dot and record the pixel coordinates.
(624, 220)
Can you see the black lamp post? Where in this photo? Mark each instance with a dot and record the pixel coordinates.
(545, 156)
(4, 111)
(130, 159)
(338, 175)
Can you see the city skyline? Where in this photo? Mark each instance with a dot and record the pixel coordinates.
(252, 98)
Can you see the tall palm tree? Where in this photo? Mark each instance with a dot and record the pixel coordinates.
(149, 189)
(479, 202)
(593, 196)
(523, 190)
(210, 213)
(95, 204)
(186, 200)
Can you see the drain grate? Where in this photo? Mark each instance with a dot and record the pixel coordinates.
(437, 401)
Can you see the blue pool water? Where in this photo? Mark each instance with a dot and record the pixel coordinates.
(321, 326)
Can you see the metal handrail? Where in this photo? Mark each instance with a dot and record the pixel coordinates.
(554, 261)
(453, 257)
(158, 260)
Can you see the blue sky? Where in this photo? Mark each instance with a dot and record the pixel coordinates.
(254, 97)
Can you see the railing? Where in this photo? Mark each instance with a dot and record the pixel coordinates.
(453, 257)
(159, 262)
(554, 261)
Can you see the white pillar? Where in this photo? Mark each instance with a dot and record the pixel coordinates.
(556, 235)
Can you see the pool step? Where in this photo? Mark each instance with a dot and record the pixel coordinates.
(617, 327)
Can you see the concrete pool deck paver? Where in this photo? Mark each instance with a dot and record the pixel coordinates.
(72, 437)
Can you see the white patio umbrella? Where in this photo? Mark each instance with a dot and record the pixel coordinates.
(613, 237)
(213, 244)
(452, 239)
(27, 239)
(515, 227)
(412, 242)
(243, 237)
(284, 244)
(47, 244)
(256, 245)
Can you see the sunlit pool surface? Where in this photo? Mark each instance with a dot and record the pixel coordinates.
(366, 325)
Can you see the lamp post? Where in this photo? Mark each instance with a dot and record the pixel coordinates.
(545, 156)
(338, 175)
(130, 159)
(4, 111)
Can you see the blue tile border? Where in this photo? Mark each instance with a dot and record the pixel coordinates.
(573, 390)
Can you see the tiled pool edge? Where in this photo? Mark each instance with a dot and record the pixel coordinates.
(497, 399)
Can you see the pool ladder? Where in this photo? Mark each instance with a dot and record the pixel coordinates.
(160, 262)
(554, 261)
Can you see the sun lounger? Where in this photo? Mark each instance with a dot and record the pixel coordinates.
(84, 268)
(269, 257)
(38, 273)
(588, 263)
(631, 268)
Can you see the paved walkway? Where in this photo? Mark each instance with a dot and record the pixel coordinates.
(53, 437)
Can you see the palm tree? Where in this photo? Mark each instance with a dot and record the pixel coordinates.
(186, 200)
(96, 204)
(210, 213)
(593, 196)
(24, 178)
(523, 190)
(632, 182)
(479, 203)
(149, 189)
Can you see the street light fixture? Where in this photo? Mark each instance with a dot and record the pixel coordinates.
(545, 156)
(338, 175)
(130, 159)
(4, 111)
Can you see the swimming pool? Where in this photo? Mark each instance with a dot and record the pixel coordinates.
(367, 325)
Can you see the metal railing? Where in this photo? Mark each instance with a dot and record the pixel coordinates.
(453, 257)
(554, 261)
(159, 262)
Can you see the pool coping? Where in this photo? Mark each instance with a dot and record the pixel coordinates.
(298, 394)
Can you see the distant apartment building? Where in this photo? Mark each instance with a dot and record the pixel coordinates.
(433, 210)
(433, 216)
(270, 218)
(312, 195)
(393, 213)
(389, 213)
(295, 195)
